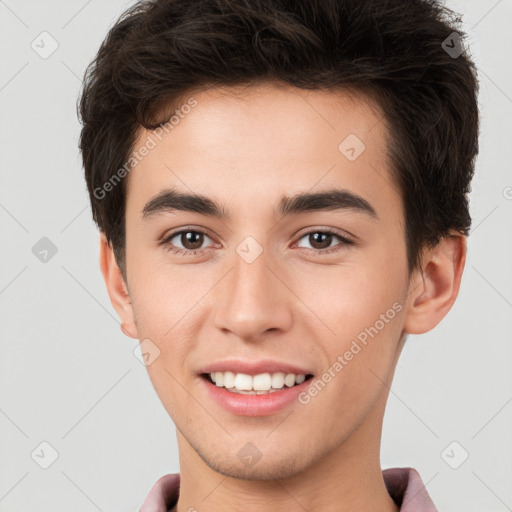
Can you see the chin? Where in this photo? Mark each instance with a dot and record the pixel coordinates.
(266, 467)
(271, 470)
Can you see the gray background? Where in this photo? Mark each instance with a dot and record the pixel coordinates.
(69, 377)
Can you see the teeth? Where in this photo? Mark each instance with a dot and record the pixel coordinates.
(243, 382)
(229, 379)
(262, 382)
(218, 378)
(278, 380)
(299, 379)
(256, 384)
(289, 380)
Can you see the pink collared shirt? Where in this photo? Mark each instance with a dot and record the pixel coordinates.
(403, 484)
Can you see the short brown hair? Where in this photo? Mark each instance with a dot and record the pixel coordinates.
(397, 51)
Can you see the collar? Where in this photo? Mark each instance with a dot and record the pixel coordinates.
(404, 485)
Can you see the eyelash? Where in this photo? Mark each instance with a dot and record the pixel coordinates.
(187, 252)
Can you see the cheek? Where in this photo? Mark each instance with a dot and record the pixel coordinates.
(168, 305)
(163, 293)
(348, 297)
(359, 356)
(360, 303)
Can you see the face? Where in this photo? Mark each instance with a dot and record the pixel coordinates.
(248, 279)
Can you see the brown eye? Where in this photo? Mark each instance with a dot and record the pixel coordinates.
(185, 241)
(191, 240)
(321, 241)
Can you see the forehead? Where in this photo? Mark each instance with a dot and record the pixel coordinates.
(252, 141)
(269, 113)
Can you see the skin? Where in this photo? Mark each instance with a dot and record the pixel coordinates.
(245, 148)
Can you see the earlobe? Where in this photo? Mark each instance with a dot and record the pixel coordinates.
(117, 288)
(433, 291)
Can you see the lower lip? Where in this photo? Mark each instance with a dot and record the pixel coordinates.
(254, 405)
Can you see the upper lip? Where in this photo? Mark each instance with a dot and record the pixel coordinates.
(253, 367)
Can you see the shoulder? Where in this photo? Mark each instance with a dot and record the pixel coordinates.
(163, 494)
(406, 488)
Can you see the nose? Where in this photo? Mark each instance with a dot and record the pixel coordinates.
(253, 299)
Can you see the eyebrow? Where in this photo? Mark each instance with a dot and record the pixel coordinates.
(170, 200)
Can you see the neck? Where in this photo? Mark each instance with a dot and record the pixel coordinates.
(348, 478)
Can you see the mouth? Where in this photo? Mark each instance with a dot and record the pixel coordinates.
(259, 384)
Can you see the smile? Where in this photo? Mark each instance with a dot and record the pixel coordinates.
(254, 395)
(262, 383)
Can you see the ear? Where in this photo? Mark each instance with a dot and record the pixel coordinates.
(117, 288)
(433, 290)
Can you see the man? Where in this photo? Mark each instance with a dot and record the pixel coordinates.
(281, 189)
